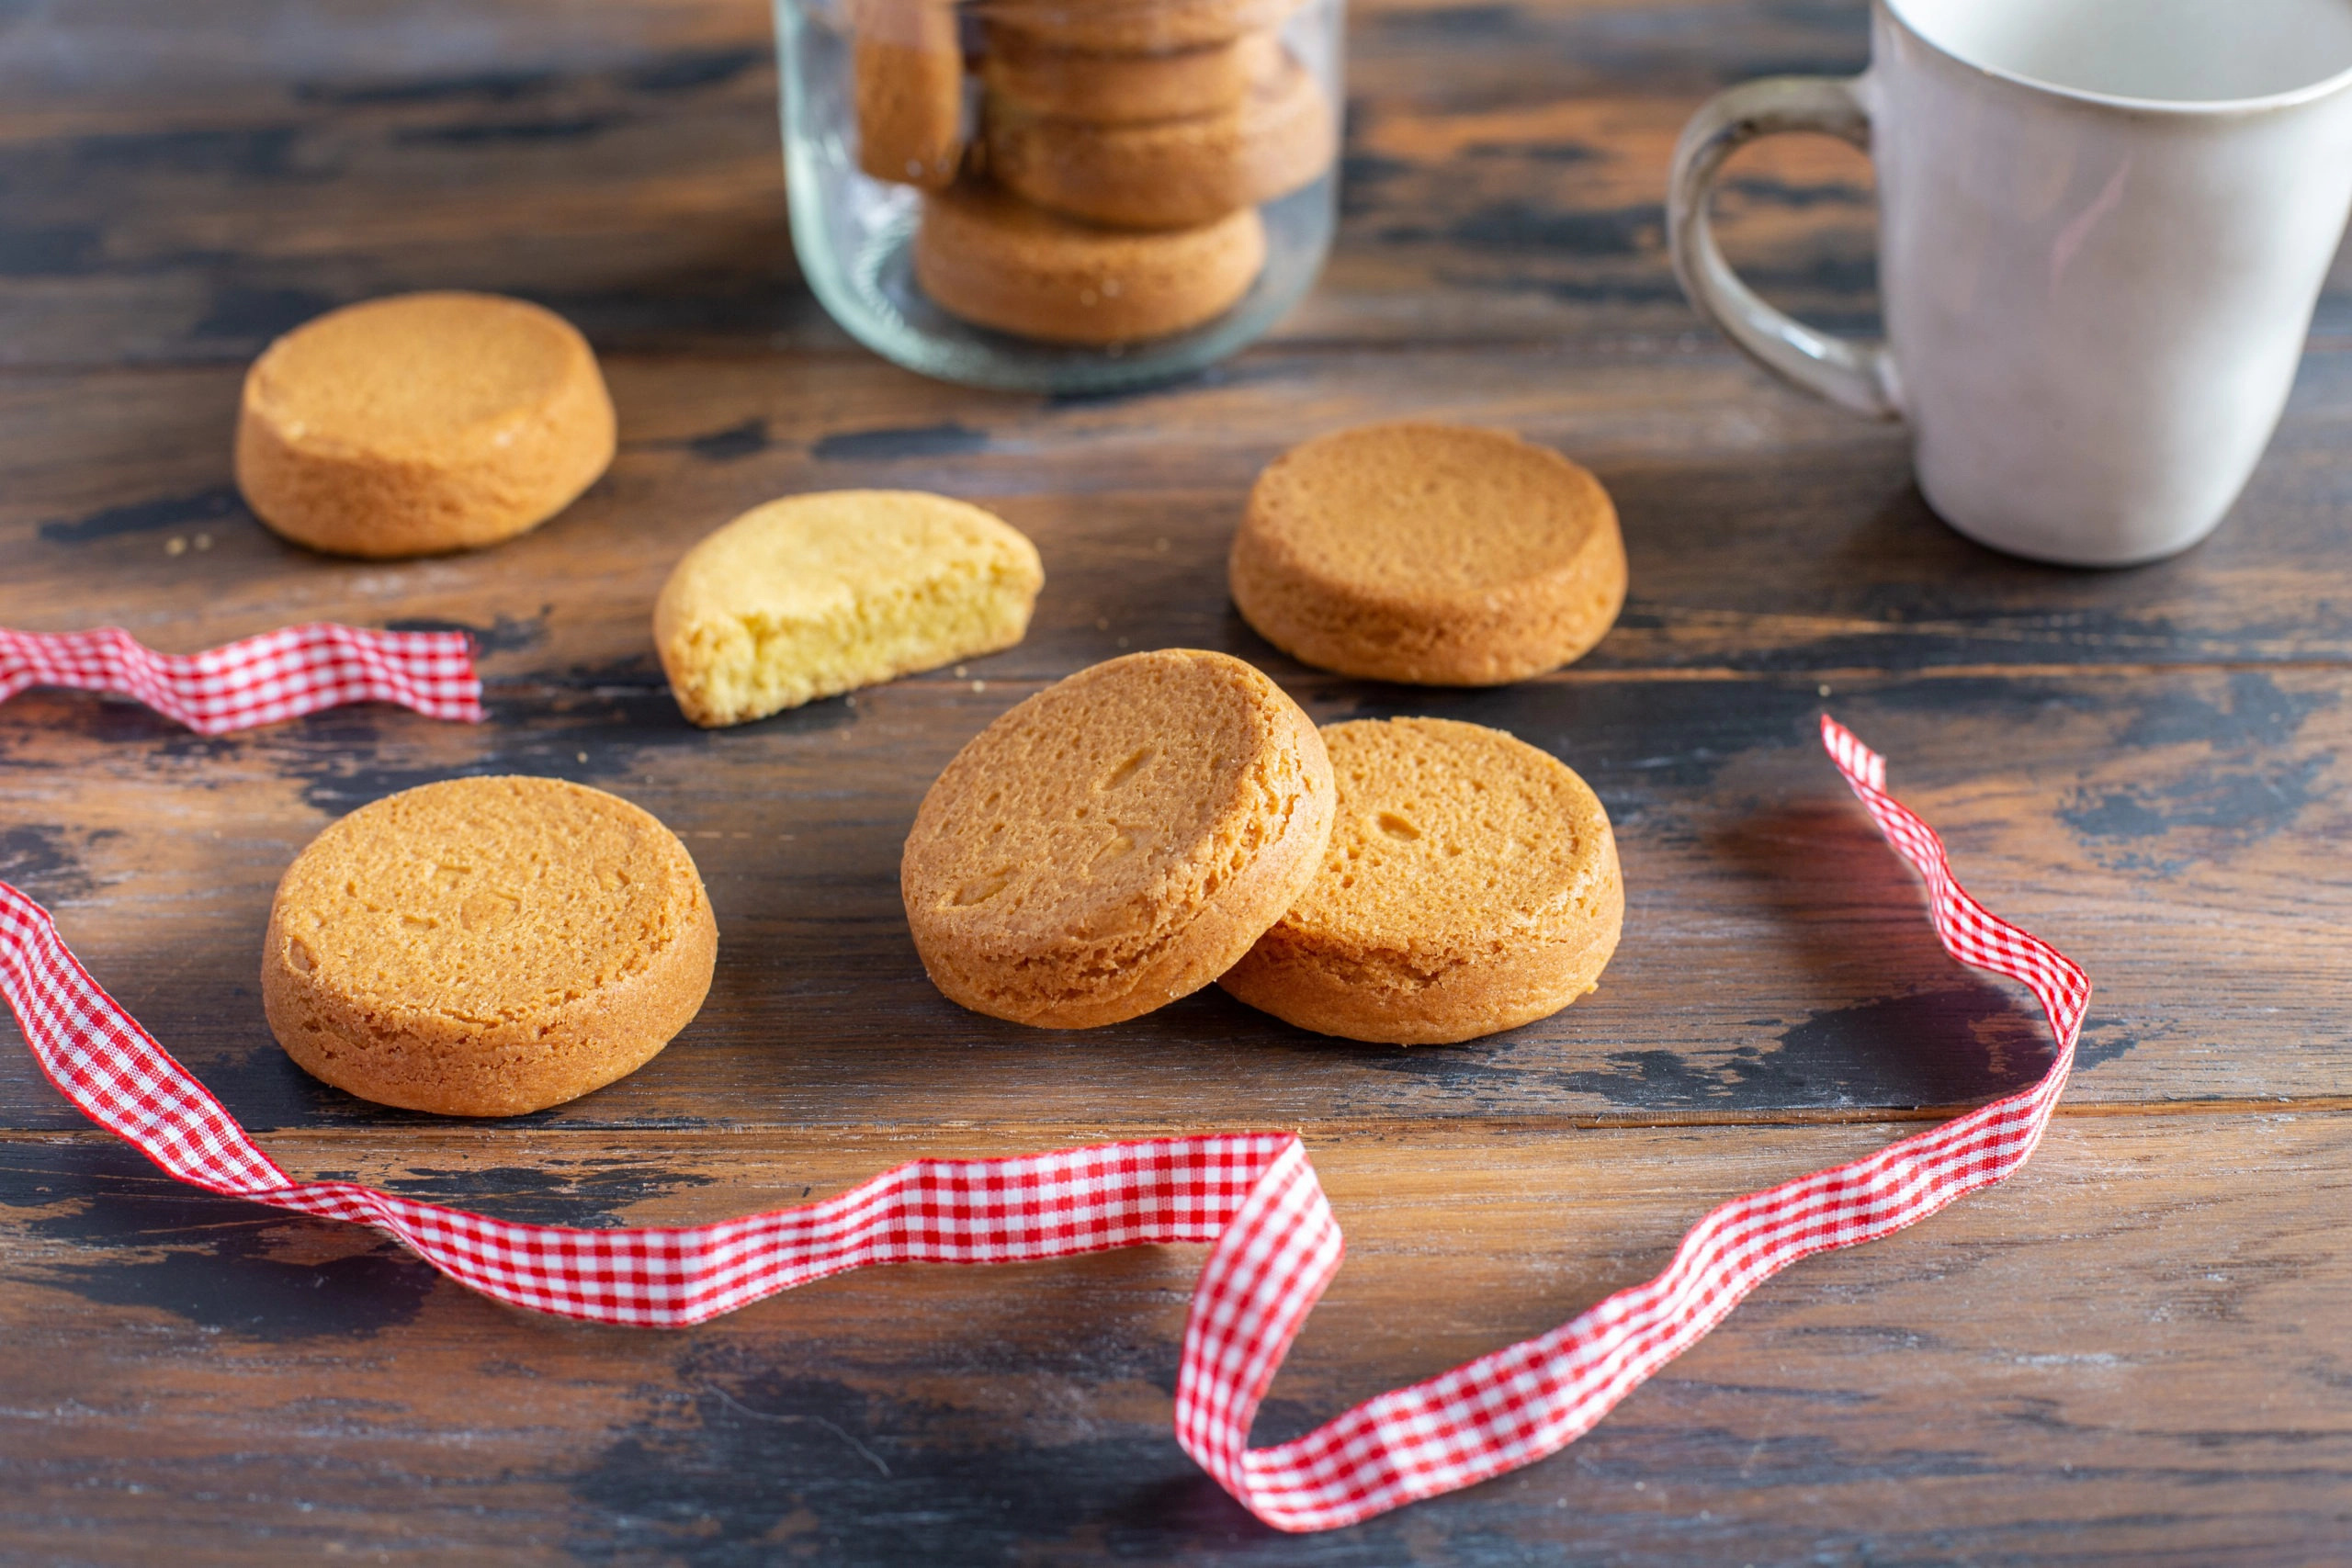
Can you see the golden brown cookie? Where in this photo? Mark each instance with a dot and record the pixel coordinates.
(1125, 90)
(1428, 553)
(1471, 886)
(420, 423)
(1117, 841)
(815, 595)
(1134, 26)
(485, 947)
(907, 68)
(998, 262)
(1169, 173)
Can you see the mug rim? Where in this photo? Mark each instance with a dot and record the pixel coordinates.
(2291, 98)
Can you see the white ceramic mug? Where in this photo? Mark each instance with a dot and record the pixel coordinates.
(2103, 225)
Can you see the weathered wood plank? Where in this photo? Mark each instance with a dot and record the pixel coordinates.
(2133, 1353)
(2130, 1355)
(2160, 826)
(174, 198)
(624, 168)
(1765, 533)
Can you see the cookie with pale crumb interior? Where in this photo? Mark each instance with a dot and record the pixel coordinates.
(984, 254)
(823, 593)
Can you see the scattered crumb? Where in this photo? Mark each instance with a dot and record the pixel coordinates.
(204, 541)
(582, 756)
(1123, 642)
(1825, 688)
(959, 672)
(979, 685)
(174, 545)
(1102, 623)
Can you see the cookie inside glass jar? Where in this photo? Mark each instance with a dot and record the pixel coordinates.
(1061, 195)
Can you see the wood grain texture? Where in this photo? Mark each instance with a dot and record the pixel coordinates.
(1763, 532)
(2132, 1354)
(176, 196)
(2158, 827)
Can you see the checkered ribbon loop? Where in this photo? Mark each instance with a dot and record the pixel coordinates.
(257, 680)
(1251, 1196)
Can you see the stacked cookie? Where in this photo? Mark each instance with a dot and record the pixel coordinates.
(1110, 190)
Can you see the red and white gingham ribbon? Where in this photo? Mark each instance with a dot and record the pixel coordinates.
(257, 680)
(1251, 1196)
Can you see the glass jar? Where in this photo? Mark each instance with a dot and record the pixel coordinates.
(1060, 195)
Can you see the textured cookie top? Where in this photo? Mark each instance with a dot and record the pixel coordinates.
(819, 557)
(485, 900)
(1449, 839)
(1409, 511)
(1091, 821)
(428, 378)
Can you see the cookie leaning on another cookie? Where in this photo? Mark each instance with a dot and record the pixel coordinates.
(1471, 886)
(1433, 554)
(817, 594)
(421, 424)
(1117, 841)
(486, 946)
(999, 262)
(907, 73)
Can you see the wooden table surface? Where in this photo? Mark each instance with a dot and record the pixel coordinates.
(2137, 1351)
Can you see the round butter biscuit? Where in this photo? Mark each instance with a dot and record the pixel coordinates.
(1172, 174)
(421, 423)
(1430, 553)
(817, 594)
(996, 261)
(486, 946)
(1117, 841)
(1133, 27)
(1125, 89)
(1471, 886)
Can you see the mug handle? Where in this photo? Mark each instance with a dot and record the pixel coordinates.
(1857, 376)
